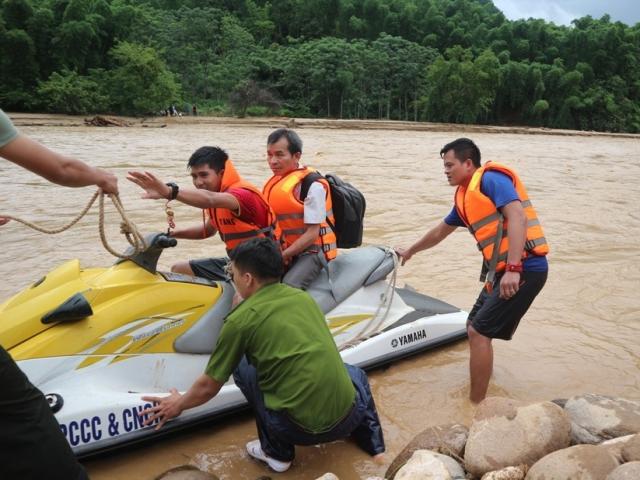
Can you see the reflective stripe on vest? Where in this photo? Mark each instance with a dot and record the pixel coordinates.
(233, 231)
(489, 227)
(266, 231)
(280, 194)
(531, 243)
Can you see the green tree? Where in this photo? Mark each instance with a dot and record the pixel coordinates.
(339, 58)
(461, 89)
(16, 14)
(140, 82)
(40, 28)
(68, 92)
(75, 41)
(18, 69)
(247, 94)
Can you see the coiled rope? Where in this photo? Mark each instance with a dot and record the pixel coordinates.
(372, 327)
(127, 227)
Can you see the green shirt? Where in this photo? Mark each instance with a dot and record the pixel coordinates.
(285, 337)
(7, 131)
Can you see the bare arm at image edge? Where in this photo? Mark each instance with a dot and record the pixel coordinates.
(53, 166)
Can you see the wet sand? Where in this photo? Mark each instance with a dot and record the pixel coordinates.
(48, 120)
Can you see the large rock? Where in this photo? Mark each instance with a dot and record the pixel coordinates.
(616, 445)
(497, 407)
(595, 418)
(506, 433)
(584, 462)
(628, 471)
(186, 472)
(446, 439)
(631, 450)
(423, 465)
(509, 473)
(453, 467)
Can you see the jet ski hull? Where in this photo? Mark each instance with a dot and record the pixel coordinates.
(127, 331)
(102, 403)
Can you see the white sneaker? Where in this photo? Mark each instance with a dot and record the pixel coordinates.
(255, 450)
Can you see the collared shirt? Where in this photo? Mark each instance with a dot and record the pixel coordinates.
(284, 335)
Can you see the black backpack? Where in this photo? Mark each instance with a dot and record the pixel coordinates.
(349, 206)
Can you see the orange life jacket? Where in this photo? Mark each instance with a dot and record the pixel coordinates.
(233, 230)
(488, 225)
(280, 194)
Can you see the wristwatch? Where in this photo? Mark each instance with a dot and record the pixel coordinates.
(514, 267)
(174, 190)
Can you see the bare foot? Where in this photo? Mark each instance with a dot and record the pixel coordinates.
(380, 458)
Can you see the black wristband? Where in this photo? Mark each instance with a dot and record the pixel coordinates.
(174, 190)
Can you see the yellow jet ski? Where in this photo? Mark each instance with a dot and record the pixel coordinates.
(96, 340)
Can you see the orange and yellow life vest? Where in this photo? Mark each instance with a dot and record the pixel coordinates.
(233, 230)
(488, 225)
(281, 196)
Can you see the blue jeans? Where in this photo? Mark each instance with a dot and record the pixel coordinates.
(279, 434)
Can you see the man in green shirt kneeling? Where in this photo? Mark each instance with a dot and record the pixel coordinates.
(278, 347)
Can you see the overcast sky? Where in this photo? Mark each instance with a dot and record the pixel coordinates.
(561, 12)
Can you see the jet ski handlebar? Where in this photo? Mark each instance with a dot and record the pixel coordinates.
(162, 240)
(148, 259)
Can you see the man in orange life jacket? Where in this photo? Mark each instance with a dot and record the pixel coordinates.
(493, 204)
(235, 209)
(308, 240)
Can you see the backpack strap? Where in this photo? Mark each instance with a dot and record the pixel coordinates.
(306, 184)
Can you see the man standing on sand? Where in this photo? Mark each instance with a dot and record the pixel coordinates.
(278, 347)
(32, 445)
(493, 204)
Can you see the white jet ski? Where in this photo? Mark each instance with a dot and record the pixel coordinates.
(96, 340)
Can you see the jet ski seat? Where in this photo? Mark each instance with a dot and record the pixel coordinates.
(202, 337)
(348, 272)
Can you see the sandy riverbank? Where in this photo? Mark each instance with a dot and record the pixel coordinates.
(45, 120)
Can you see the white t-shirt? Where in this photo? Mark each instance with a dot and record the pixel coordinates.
(315, 210)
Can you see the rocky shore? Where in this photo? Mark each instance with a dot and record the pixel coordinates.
(587, 437)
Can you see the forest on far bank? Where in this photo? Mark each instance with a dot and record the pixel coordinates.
(457, 61)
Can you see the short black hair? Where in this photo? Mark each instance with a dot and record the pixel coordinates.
(260, 257)
(215, 157)
(463, 148)
(295, 142)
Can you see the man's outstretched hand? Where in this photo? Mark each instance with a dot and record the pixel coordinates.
(154, 187)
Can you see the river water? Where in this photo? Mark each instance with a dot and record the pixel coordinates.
(581, 334)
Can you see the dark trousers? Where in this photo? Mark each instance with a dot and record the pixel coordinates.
(279, 434)
(31, 443)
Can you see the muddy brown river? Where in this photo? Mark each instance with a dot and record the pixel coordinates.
(581, 334)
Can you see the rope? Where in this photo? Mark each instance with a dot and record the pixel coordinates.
(372, 327)
(53, 231)
(127, 227)
(171, 223)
